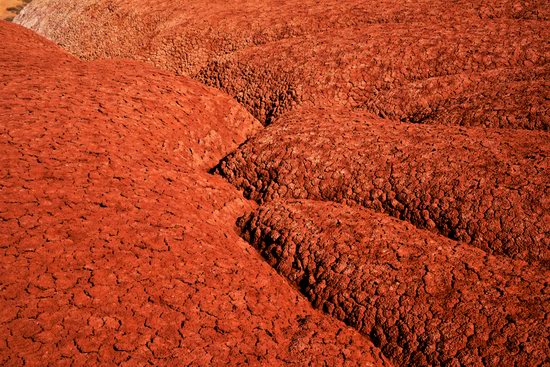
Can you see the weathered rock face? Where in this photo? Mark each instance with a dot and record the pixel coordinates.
(426, 300)
(466, 63)
(487, 187)
(116, 246)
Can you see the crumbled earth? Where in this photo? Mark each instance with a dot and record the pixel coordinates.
(480, 63)
(415, 134)
(116, 245)
(486, 187)
(427, 300)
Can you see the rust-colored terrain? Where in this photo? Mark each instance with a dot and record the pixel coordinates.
(456, 63)
(393, 209)
(425, 299)
(117, 247)
(487, 187)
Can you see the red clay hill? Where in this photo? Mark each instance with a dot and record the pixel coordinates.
(117, 247)
(400, 184)
(425, 61)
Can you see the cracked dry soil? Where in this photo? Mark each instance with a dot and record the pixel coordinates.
(470, 63)
(424, 299)
(400, 207)
(117, 247)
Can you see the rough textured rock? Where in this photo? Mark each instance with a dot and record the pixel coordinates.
(487, 187)
(116, 247)
(426, 300)
(468, 63)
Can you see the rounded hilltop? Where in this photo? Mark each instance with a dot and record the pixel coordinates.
(273, 183)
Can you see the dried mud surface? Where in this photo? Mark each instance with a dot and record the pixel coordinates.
(486, 187)
(427, 300)
(414, 134)
(116, 246)
(481, 63)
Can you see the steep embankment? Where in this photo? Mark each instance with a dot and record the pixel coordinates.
(116, 246)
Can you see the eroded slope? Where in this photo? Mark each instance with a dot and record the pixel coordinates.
(487, 187)
(481, 63)
(116, 247)
(426, 300)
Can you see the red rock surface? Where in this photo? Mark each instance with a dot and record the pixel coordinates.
(116, 246)
(467, 63)
(426, 300)
(487, 187)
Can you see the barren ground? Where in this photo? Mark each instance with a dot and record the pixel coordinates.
(275, 183)
(117, 247)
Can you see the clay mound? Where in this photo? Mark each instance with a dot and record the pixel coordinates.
(116, 247)
(486, 187)
(118, 226)
(137, 102)
(428, 74)
(481, 63)
(426, 300)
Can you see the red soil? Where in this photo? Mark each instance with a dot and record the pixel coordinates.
(120, 246)
(466, 63)
(487, 187)
(425, 299)
(116, 247)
